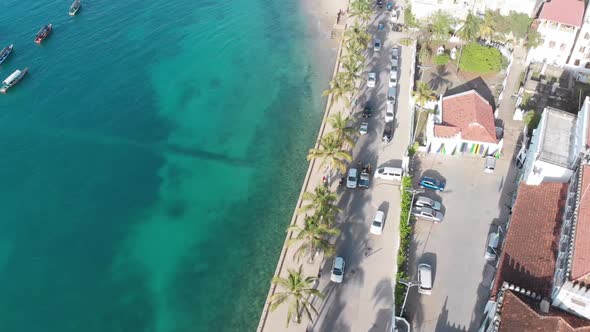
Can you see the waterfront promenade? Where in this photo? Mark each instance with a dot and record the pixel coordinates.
(364, 301)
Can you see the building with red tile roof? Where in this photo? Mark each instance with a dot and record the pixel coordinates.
(529, 254)
(517, 309)
(464, 123)
(558, 23)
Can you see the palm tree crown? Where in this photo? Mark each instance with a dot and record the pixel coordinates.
(340, 87)
(470, 28)
(322, 201)
(423, 94)
(314, 238)
(298, 288)
(341, 129)
(487, 26)
(330, 152)
(361, 9)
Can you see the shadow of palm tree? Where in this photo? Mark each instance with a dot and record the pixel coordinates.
(439, 78)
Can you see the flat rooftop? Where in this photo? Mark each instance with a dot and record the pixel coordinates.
(557, 140)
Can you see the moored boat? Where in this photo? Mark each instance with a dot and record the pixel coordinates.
(5, 53)
(74, 7)
(14, 78)
(43, 33)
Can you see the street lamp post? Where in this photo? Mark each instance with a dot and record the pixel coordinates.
(414, 192)
(408, 284)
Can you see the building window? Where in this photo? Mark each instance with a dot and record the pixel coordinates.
(587, 36)
(551, 44)
(577, 62)
(587, 66)
(582, 49)
(562, 47)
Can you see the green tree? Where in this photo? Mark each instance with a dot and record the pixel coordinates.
(424, 53)
(361, 9)
(487, 26)
(298, 288)
(330, 152)
(531, 120)
(440, 25)
(323, 202)
(313, 238)
(468, 32)
(353, 66)
(423, 94)
(409, 19)
(357, 36)
(340, 87)
(533, 38)
(341, 129)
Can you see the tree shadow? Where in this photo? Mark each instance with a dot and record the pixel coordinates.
(439, 77)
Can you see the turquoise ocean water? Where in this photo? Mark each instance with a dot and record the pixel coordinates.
(150, 161)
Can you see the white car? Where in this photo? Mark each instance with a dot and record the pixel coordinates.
(364, 129)
(377, 45)
(377, 224)
(337, 270)
(425, 278)
(389, 112)
(492, 248)
(394, 16)
(393, 79)
(352, 178)
(371, 80)
(428, 214)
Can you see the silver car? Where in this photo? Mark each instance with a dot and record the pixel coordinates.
(492, 248)
(428, 214)
(337, 274)
(352, 178)
(425, 278)
(423, 201)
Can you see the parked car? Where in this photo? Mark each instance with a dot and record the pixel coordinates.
(352, 178)
(377, 224)
(367, 112)
(389, 173)
(365, 179)
(393, 78)
(389, 112)
(395, 53)
(394, 68)
(387, 132)
(423, 201)
(492, 248)
(391, 95)
(377, 45)
(428, 214)
(338, 270)
(430, 183)
(490, 164)
(380, 3)
(425, 279)
(371, 80)
(364, 129)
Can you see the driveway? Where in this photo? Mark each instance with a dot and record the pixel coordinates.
(364, 301)
(473, 206)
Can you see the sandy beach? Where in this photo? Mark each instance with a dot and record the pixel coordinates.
(322, 18)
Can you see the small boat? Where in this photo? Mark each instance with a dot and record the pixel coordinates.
(74, 7)
(43, 33)
(14, 78)
(5, 53)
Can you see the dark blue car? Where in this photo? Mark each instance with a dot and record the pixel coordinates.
(430, 183)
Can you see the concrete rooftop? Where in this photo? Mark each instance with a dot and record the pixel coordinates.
(557, 140)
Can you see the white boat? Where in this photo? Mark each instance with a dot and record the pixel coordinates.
(14, 78)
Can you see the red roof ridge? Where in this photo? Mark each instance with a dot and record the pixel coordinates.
(569, 12)
(471, 113)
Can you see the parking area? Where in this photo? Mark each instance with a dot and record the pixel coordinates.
(474, 205)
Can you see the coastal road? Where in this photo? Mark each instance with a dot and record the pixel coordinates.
(364, 301)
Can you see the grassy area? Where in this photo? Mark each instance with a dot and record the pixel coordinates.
(481, 59)
(441, 60)
(405, 233)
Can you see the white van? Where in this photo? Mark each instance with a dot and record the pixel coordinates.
(389, 173)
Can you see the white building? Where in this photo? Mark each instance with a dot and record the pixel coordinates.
(558, 23)
(528, 7)
(580, 59)
(460, 8)
(464, 124)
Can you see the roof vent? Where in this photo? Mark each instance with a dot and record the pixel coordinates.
(544, 306)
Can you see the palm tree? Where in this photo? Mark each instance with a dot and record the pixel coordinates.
(322, 202)
(468, 32)
(343, 132)
(330, 152)
(357, 35)
(423, 94)
(440, 26)
(352, 68)
(340, 87)
(314, 238)
(361, 9)
(298, 289)
(487, 26)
